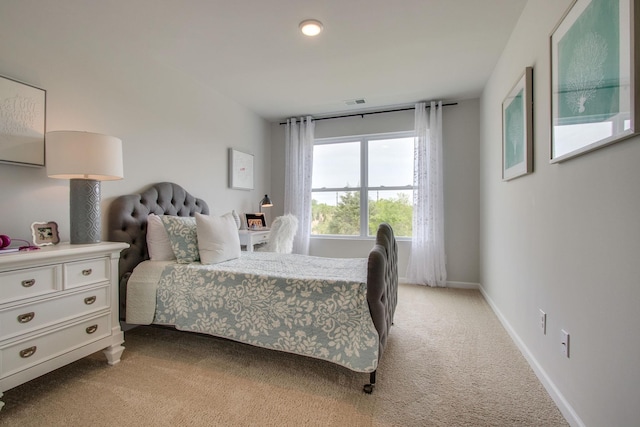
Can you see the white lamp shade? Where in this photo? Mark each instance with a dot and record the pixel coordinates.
(83, 155)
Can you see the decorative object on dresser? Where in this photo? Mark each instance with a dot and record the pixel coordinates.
(351, 302)
(45, 233)
(85, 159)
(22, 123)
(57, 305)
(5, 242)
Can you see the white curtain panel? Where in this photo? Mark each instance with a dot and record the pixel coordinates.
(427, 264)
(299, 170)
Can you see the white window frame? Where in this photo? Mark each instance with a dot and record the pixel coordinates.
(364, 188)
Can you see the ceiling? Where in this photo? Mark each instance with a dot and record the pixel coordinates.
(390, 53)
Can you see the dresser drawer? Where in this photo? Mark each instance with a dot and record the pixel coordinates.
(22, 355)
(86, 272)
(28, 317)
(25, 283)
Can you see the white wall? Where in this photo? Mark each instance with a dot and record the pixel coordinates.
(172, 128)
(566, 240)
(461, 152)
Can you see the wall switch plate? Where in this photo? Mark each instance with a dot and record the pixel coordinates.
(543, 322)
(564, 341)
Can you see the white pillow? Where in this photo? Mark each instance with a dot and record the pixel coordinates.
(218, 238)
(158, 244)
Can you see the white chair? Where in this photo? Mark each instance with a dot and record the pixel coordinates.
(283, 230)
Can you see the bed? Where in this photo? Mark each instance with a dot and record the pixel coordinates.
(338, 310)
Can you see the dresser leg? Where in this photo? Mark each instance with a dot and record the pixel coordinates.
(113, 354)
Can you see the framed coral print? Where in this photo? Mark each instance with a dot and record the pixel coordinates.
(240, 170)
(593, 77)
(22, 123)
(517, 128)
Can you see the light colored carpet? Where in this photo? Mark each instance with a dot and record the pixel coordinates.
(449, 362)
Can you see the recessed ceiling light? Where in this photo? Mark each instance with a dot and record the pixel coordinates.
(311, 27)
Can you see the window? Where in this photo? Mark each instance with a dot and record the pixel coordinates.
(359, 182)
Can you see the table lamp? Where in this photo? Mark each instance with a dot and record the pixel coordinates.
(265, 203)
(85, 159)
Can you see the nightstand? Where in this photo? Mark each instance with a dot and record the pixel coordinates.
(57, 305)
(250, 238)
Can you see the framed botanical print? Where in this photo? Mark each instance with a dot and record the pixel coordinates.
(517, 128)
(594, 77)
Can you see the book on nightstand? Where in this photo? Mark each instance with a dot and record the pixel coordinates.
(8, 250)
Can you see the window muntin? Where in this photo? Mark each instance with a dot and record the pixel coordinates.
(383, 192)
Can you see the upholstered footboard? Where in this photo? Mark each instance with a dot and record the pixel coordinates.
(382, 287)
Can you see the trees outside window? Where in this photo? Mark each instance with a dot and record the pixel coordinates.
(359, 182)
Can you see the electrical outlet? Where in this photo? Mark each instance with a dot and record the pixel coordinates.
(564, 341)
(543, 322)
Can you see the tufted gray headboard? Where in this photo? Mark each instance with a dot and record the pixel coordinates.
(128, 222)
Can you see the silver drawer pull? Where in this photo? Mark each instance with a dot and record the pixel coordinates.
(28, 283)
(28, 352)
(87, 272)
(90, 300)
(91, 329)
(26, 317)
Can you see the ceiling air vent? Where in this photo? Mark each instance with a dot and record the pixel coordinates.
(355, 102)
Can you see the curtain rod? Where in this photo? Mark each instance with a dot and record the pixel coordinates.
(371, 112)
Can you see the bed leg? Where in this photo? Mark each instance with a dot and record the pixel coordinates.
(368, 388)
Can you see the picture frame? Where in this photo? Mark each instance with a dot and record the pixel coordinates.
(517, 128)
(255, 221)
(594, 78)
(45, 233)
(240, 170)
(22, 123)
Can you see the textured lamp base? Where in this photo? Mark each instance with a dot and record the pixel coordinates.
(84, 198)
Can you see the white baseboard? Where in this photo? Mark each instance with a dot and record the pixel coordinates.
(463, 285)
(458, 285)
(567, 410)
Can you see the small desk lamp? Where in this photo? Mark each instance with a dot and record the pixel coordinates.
(265, 203)
(85, 159)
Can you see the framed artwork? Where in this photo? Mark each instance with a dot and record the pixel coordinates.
(240, 170)
(593, 82)
(517, 128)
(45, 233)
(255, 221)
(22, 123)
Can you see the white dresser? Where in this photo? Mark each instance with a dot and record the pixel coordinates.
(57, 305)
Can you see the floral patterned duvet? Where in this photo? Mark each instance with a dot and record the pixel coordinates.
(311, 306)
